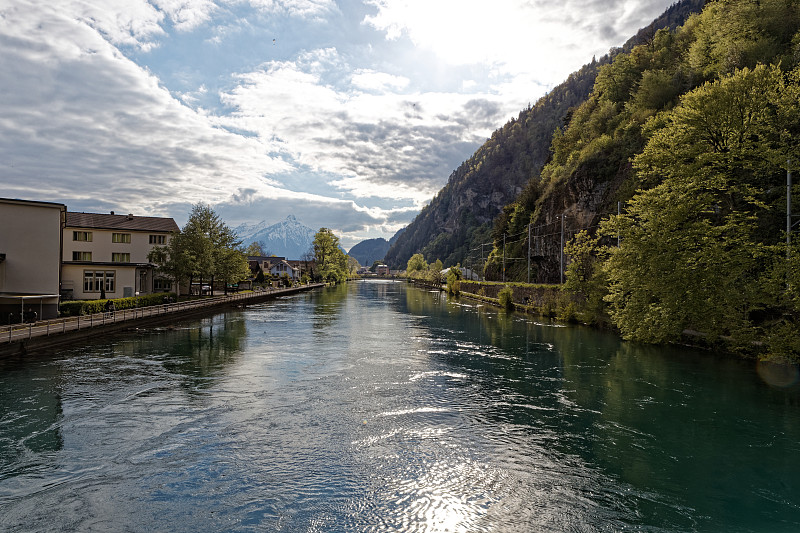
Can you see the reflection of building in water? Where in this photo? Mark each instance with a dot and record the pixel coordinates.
(33, 401)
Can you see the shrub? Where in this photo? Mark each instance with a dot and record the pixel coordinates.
(454, 281)
(88, 307)
(506, 297)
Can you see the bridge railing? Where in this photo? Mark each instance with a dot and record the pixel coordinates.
(18, 332)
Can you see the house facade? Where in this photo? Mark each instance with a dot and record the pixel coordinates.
(279, 268)
(274, 266)
(105, 255)
(30, 259)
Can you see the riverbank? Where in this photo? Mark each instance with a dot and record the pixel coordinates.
(548, 301)
(542, 300)
(23, 339)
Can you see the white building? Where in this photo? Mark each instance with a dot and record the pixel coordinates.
(30, 259)
(105, 255)
(279, 268)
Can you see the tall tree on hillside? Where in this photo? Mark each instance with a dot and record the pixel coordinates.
(696, 248)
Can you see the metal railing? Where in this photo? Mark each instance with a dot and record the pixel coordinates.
(19, 332)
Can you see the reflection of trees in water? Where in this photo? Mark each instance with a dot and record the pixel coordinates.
(326, 305)
(197, 349)
(667, 417)
(30, 415)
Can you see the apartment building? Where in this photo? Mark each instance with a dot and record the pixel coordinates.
(30, 259)
(105, 255)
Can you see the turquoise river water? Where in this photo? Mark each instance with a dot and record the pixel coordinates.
(382, 407)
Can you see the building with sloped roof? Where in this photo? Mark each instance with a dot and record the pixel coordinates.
(30, 259)
(105, 255)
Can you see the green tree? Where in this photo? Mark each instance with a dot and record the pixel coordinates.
(173, 261)
(352, 266)
(454, 280)
(212, 248)
(330, 259)
(257, 248)
(435, 272)
(585, 277)
(416, 265)
(696, 246)
(232, 266)
(681, 265)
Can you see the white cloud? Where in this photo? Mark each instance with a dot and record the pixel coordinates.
(548, 39)
(187, 15)
(86, 123)
(370, 80)
(382, 143)
(296, 8)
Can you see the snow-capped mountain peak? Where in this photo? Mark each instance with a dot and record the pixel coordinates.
(288, 238)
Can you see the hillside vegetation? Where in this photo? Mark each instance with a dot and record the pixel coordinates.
(693, 133)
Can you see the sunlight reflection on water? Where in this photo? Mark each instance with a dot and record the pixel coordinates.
(378, 407)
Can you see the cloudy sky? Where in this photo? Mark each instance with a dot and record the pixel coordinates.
(349, 114)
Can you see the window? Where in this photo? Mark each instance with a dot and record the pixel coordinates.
(82, 236)
(81, 256)
(162, 285)
(94, 279)
(88, 281)
(119, 257)
(110, 285)
(121, 237)
(158, 239)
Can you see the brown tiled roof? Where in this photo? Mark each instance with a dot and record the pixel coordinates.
(120, 222)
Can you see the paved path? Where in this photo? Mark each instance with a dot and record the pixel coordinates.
(22, 332)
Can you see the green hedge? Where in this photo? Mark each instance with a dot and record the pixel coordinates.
(88, 307)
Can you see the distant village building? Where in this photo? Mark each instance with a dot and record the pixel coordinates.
(105, 255)
(276, 266)
(30, 259)
(382, 270)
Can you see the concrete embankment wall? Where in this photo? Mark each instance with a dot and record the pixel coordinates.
(47, 335)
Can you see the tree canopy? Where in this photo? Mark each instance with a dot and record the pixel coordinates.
(331, 260)
(205, 249)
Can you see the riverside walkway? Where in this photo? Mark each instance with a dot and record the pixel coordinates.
(21, 338)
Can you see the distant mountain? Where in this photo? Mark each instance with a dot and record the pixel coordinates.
(288, 238)
(369, 251)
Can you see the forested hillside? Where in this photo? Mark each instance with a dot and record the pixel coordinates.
(460, 217)
(692, 133)
(368, 251)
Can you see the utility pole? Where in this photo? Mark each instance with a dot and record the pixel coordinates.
(562, 247)
(504, 257)
(484, 263)
(788, 209)
(529, 252)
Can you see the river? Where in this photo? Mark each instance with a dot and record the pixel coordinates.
(381, 407)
